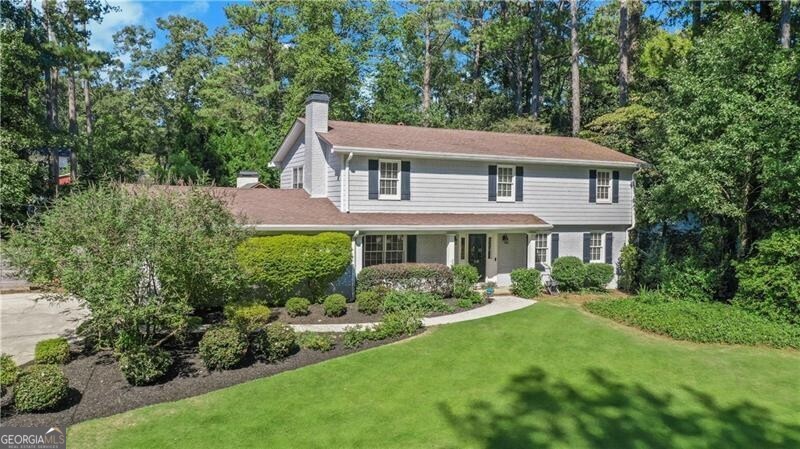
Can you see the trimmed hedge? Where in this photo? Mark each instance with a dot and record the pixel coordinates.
(53, 351)
(42, 387)
(8, 371)
(418, 302)
(598, 275)
(464, 278)
(247, 317)
(702, 322)
(394, 324)
(419, 277)
(223, 347)
(142, 366)
(569, 272)
(526, 282)
(369, 301)
(275, 342)
(335, 305)
(297, 306)
(289, 263)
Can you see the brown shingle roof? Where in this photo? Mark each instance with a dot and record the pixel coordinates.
(466, 142)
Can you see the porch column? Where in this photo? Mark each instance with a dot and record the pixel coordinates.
(451, 250)
(531, 250)
(358, 256)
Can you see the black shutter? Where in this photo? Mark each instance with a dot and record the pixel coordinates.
(615, 187)
(609, 242)
(592, 186)
(553, 247)
(411, 248)
(587, 243)
(373, 179)
(492, 183)
(520, 175)
(405, 180)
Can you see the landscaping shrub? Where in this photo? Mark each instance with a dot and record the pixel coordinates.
(689, 279)
(703, 322)
(419, 302)
(418, 277)
(569, 272)
(397, 323)
(297, 306)
(598, 275)
(53, 351)
(470, 300)
(526, 282)
(464, 278)
(247, 317)
(369, 301)
(144, 365)
(355, 336)
(8, 371)
(223, 347)
(285, 264)
(274, 342)
(769, 281)
(315, 341)
(41, 387)
(628, 267)
(335, 305)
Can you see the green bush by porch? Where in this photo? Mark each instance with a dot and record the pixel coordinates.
(433, 278)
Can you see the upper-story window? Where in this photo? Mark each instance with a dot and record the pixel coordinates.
(603, 186)
(297, 178)
(505, 183)
(541, 249)
(389, 180)
(596, 247)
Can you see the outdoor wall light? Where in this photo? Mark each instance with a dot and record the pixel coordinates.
(505, 239)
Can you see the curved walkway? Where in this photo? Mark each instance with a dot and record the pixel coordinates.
(500, 304)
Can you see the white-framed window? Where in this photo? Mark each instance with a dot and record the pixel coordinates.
(604, 186)
(389, 180)
(540, 256)
(505, 183)
(380, 249)
(297, 178)
(596, 247)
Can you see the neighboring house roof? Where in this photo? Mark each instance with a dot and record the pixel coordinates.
(414, 141)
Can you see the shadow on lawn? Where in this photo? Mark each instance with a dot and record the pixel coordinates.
(606, 413)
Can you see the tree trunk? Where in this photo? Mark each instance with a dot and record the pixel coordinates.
(87, 100)
(519, 82)
(697, 13)
(786, 18)
(73, 124)
(477, 56)
(426, 72)
(51, 80)
(624, 53)
(576, 77)
(536, 65)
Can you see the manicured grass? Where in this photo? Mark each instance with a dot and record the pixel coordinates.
(702, 322)
(546, 376)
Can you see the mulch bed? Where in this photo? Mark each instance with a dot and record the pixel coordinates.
(98, 389)
(317, 315)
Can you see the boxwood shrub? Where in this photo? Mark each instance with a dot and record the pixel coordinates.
(419, 277)
(464, 278)
(52, 351)
(144, 365)
(369, 301)
(41, 387)
(274, 342)
(569, 272)
(223, 347)
(247, 317)
(289, 263)
(526, 282)
(598, 275)
(297, 306)
(335, 305)
(8, 371)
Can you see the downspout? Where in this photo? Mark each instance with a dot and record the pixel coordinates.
(633, 206)
(353, 263)
(347, 183)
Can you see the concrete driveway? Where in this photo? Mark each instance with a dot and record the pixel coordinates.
(24, 321)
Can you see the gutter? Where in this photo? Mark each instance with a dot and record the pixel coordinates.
(633, 206)
(394, 228)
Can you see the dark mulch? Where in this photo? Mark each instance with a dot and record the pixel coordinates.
(317, 316)
(98, 389)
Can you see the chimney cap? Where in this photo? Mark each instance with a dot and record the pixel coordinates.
(318, 96)
(248, 173)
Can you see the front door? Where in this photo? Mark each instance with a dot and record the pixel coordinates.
(477, 253)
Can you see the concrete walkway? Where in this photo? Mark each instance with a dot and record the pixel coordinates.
(25, 321)
(501, 304)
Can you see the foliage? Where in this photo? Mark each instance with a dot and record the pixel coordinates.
(397, 323)
(143, 365)
(419, 302)
(274, 342)
(335, 305)
(297, 306)
(630, 129)
(355, 336)
(569, 272)
(598, 275)
(702, 322)
(223, 347)
(315, 341)
(420, 277)
(628, 268)
(141, 258)
(526, 282)
(470, 300)
(687, 279)
(369, 301)
(769, 282)
(53, 351)
(464, 278)
(8, 371)
(247, 317)
(285, 264)
(39, 388)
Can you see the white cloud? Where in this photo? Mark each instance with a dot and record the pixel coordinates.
(128, 13)
(194, 8)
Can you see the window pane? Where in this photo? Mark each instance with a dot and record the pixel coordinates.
(394, 249)
(373, 250)
(541, 248)
(389, 178)
(505, 182)
(596, 247)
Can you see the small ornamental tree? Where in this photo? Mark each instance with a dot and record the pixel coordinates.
(140, 258)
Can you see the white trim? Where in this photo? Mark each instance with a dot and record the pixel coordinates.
(481, 157)
(383, 249)
(392, 228)
(512, 197)
(384, 196)
(597, 187)
(294, 133)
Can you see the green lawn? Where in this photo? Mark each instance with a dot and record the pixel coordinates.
(547, 376)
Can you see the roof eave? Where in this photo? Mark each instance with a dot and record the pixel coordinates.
(394, 228)
(288, 141)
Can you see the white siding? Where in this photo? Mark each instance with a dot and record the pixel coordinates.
(295, 158)
(571, 243)
(510, 256)
(558, 195)
(334, 175)
(432, 248)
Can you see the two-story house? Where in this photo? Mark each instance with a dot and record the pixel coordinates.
(498, 201)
